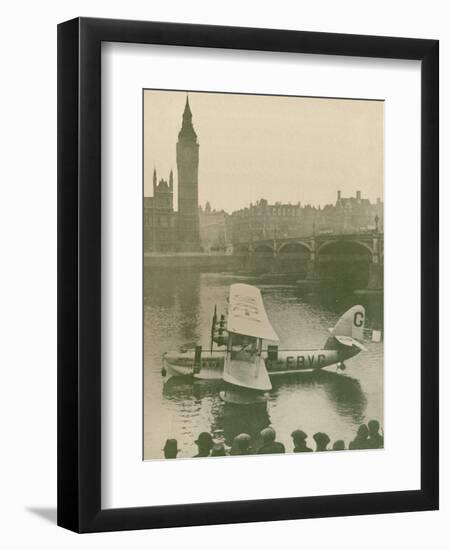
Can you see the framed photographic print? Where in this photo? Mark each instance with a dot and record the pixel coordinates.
(248, 275)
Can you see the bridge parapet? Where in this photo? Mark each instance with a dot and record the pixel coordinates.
(373, 242)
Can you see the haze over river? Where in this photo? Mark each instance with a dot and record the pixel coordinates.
(178, 308)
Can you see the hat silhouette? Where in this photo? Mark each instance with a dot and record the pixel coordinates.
(298, 435)
(204, 439)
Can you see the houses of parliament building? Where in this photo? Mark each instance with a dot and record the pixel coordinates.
(166, 230)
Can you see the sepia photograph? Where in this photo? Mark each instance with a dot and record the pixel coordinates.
(263, 260)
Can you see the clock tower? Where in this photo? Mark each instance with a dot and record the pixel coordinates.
(187, 165)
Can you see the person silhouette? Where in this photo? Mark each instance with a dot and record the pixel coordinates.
(339, 445)
(241, 445)
(270, 446)
(321, 440)
(204, 444)
(299, 439)
(376, 440)
(361, 440)
(171, 448)
(219, 447)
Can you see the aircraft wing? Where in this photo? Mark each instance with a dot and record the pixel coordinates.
(247, 374)
(246, 313)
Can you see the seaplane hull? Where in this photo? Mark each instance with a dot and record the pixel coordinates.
(212, 365)
(302, 361)
(183, 364)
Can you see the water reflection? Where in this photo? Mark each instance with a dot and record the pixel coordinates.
(237, 419)
(344, 393)
(179, 388)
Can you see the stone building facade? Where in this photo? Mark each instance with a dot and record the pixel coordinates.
(264, 221)
(160, 219)
(261, 221)
(350, 215)
(213, 229)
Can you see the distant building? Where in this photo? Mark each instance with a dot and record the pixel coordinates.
(264, 221)
(160, 220)
(166, 230)
(350, 215)
(213, 229)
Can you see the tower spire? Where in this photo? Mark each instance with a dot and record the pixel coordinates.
(187, 129)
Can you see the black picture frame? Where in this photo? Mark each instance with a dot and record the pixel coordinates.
(79, 274)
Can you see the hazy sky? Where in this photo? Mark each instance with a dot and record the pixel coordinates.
(286, 149)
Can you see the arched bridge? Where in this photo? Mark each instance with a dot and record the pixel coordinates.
(320, 257)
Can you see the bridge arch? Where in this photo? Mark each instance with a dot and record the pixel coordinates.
(345, 243)
(294, 246)
(345, 263)
(263, 249)
(293, 257)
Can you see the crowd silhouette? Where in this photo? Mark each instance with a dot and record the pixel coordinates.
(367, 437)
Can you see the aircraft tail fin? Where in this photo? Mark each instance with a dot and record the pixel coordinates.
(349, 329)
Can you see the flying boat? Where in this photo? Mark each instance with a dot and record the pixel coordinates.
(247, 354)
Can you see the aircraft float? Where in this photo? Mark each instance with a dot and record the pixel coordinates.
(240, 360)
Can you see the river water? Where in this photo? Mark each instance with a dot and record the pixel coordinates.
(178, 308)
